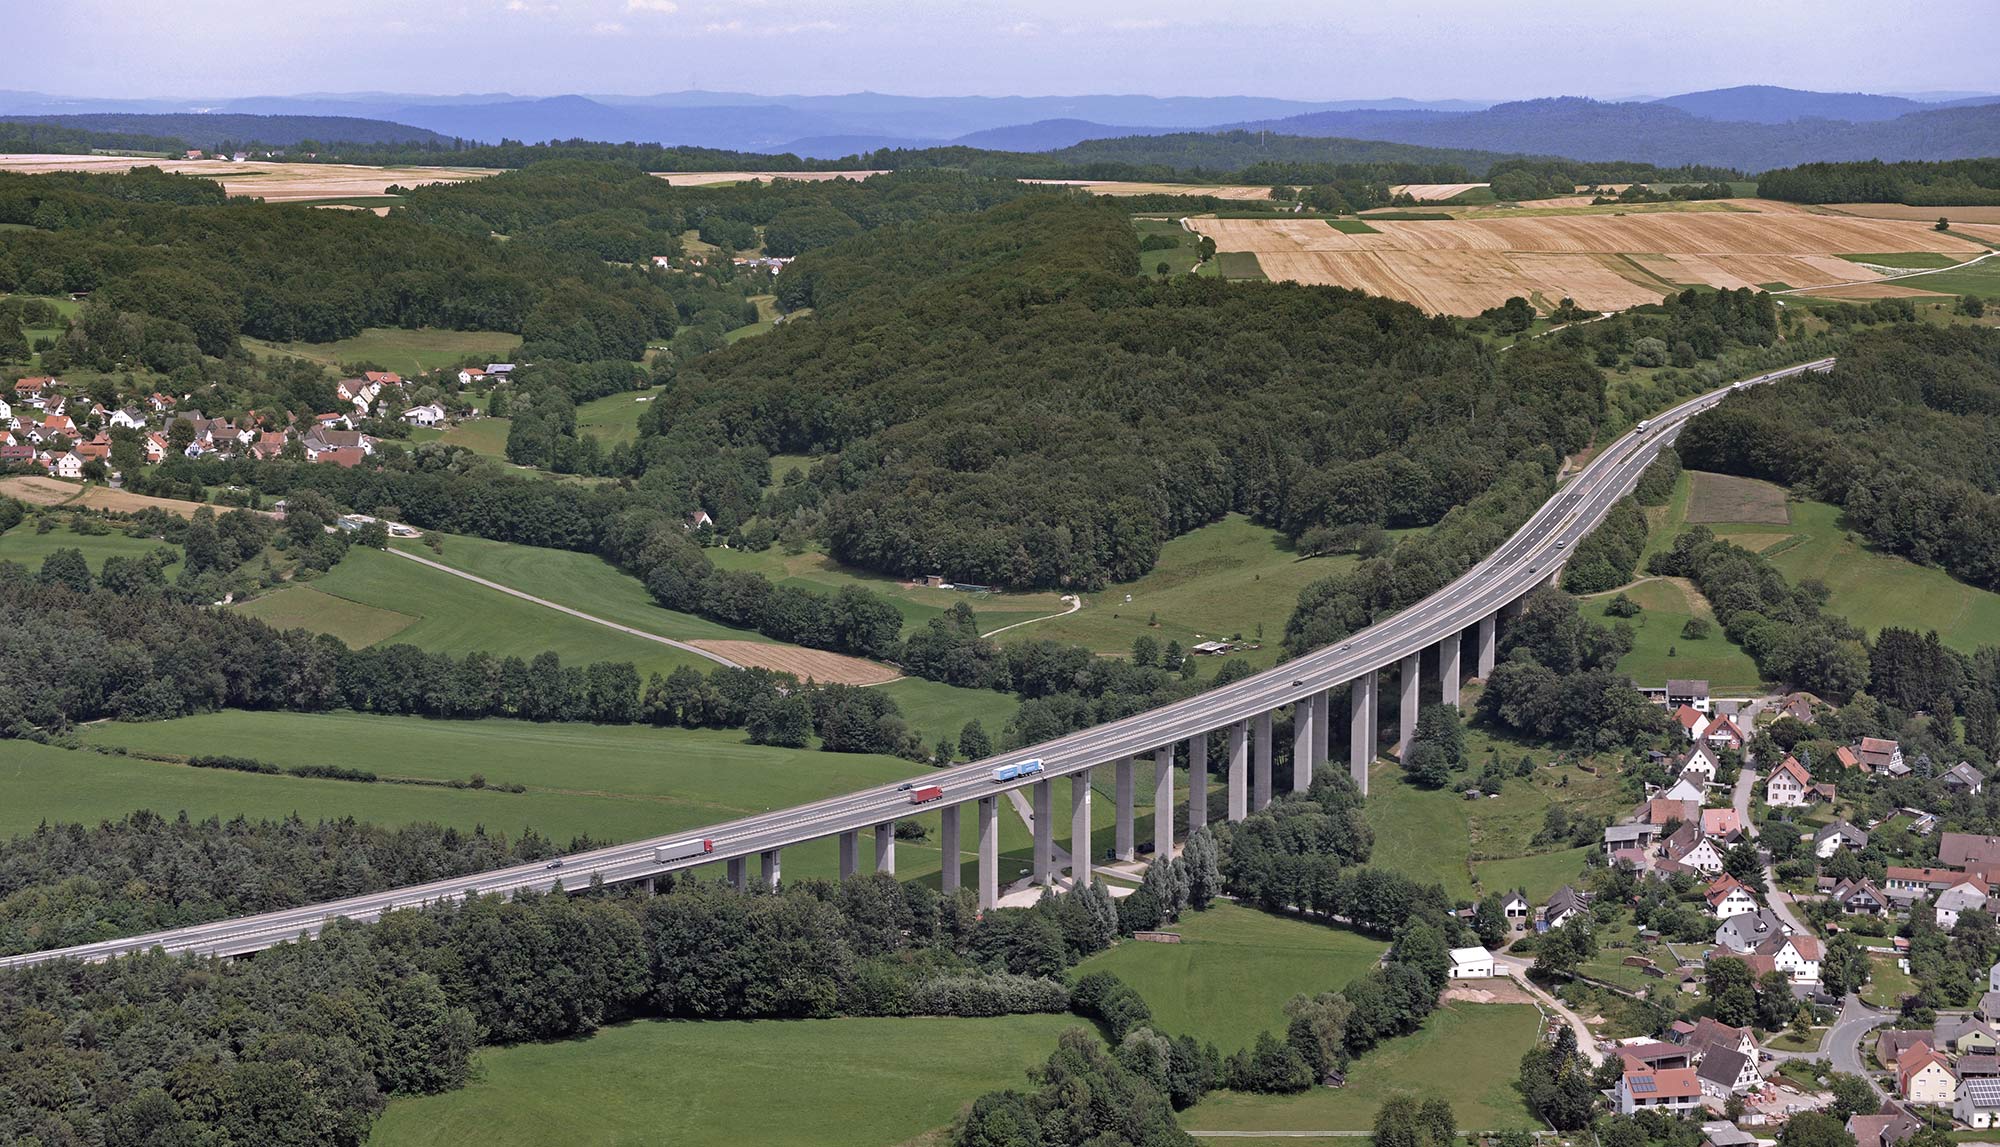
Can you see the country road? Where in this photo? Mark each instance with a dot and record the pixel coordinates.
(576, 613)
(1586, 1040)
(1780, 903)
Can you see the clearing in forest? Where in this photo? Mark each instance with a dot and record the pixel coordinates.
(1603, 260)
(1726, 498)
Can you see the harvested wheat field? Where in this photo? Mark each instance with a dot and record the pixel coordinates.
(1128, 187)
(704, 178)
(1605, 261)
(819, 665)
(1434, 192)
(1923, 214)
(1875, 291)
(276, 182)
(56, 492)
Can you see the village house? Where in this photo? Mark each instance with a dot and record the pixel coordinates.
(500, 371)
(430, 414)
(1688, 847)
(1705, 1034)
(1741, 934)
(1725, 733)
(1788, 785)
(1967, 895)
(1686, 787)
(471, 376)
(68, 464)
(1672, 1089)
(1691, 721)
(1891, 1043)
(1721, 823)
(1724, 1072)
(1860, 898)
(1691, 693)
(1836, 836)
(1923, 1076)
(381, 378)
(1848, 758)
(1878, 753)
(1961, 1036)
(1796, 956)
(1662, 812)
(1564, 903)
(1474, 963)
(1968, 852)
(1518, 910)
(1701, 759)
(1728, 897)
(1893, 1125)
(1963, 778)
(1978, 1103)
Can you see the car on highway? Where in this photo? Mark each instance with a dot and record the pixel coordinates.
(906, 786)
(1560, 545)
(1298, 682)
(553, 864)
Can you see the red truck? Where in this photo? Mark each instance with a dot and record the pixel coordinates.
(926, 795)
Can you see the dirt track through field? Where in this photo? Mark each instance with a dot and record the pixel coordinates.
(1603, 261)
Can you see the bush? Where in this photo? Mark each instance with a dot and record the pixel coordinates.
(1696, 629)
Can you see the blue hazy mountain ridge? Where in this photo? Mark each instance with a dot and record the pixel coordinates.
(1660, 133)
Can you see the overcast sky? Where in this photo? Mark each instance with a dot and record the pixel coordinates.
(1308, 49)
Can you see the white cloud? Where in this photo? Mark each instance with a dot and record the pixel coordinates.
(1152, 25)
(651, 6)
(1024, 28)
(739, 28)
(607, 28)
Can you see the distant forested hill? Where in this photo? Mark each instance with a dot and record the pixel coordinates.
(1659, 133)
(18, 138)
(207, 131)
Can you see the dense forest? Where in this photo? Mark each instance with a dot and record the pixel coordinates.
(1896, 435)
(26, 137)
(1000, 398)
(1948, 183)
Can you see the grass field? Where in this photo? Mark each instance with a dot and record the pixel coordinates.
(1179, 259)
(1869, 588)
(1725, 498)
(1658, 649)
(816, 571)
(1233, 970)
(486, 436)
(1982, 279)
(403, 351)
(1887, 983)
(801, 1083)
(1467, 1054)
(457, 616)
(303, 607)
(1239, 265)
(1351, 226)
(1214, 583)
(1433, 834)
(22, 544)
(613, 418)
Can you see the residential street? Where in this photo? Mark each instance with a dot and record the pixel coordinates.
(1780, 902)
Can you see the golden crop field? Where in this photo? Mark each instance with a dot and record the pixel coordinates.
(276, 182)
(1434, 192)
(704, 178)
(1127, 187)
(1605, 261)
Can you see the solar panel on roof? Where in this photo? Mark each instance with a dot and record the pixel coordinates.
(1643, 1085)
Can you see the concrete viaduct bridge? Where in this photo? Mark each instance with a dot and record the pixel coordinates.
(1454, 629)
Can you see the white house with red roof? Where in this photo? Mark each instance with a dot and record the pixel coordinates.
(1727, 897)
(1789, 785)
(1724, 733)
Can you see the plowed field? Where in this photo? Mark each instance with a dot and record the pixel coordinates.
(819, 665)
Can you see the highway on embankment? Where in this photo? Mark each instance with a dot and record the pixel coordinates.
(1530, 557)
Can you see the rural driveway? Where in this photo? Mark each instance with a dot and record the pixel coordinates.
(576, 613)
(1780, 902)
(1075, 603)
(1586, 1040)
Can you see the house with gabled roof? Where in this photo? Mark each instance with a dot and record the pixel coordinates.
(1860, 898)
(1924, 1076)
(1724, 1072)
(1968, 895)
(1848, 758)
(1564, 903)
(1691, 722)
(1689, 847)
(1978, 1103)
(1727, 897)
(1725, 733)
(1687, 787)
(1963, 778)
(1836, 836)
(1879, 753)
(1742, 933)
(1721, 824)
(1891, 1043)
(1796, 955)
(1671, 1089)
(1891, 1126)
(1688, 692)
(1788, 785)
(1701, 759)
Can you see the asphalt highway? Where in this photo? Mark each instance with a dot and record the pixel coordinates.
(1528, 558)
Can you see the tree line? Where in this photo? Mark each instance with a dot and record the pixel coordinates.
(1919, 183)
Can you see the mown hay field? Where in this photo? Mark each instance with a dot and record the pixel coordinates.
(1131, 187)
(1604, 261)
(276, 182)
(1434, 192)
(815, 664)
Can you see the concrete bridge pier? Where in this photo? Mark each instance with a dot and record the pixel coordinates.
(850, 853)
(1486, 645)
(1322, 747)
(885, 847)
(739, 873)
(1197, 781)
(1079, 827)
(1451, 657)
(1305, 726)
(768, 865)
(1239, 770)
(989, 853)
(1260, 762)
(1163, 802)
(1045, 832)
(1122, 842)
(1406, 729)
(948, 842)
(646, 885)
(1361, 737)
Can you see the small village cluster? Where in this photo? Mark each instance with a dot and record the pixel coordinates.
(47, 424)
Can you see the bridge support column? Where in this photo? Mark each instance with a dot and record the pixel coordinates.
(1323, 721)
(1486, 646)
(1239, 770)
(739, 873)
(1197, 781)
(948, 841)
(1361, 738)
(885, 847)
(646, 885)
(1260, 762)
(1406, 728)
(850, 853)
(769, 870)
(1045, 832)
(1122, 813)
(989, 853)
(1079, 827)
(1163, 803)
(1305, 725)
(1451, 657)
